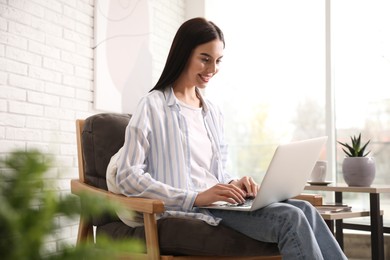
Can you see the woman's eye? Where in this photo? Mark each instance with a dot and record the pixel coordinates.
(205, 59)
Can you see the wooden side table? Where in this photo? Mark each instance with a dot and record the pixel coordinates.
(331, 218)
(376, 219)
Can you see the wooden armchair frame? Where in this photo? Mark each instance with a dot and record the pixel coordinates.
(149, 208)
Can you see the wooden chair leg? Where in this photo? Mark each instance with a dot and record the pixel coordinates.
(151, 236)
(85, 233)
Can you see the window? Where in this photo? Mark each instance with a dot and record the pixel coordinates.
(272, 77)
(272, 83)
(361, 69)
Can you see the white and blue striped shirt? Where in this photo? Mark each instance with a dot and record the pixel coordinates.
(155, 161)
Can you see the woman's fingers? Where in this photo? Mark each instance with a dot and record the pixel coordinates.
(246, 181)
(254, 187)
(232, 193)
(249, 185)
(220, 192)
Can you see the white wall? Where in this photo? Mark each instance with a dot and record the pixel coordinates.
(195, 8)
(46, 79)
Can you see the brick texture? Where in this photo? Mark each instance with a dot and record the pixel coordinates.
(46, 80)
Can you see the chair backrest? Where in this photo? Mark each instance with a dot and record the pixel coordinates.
(99, 137)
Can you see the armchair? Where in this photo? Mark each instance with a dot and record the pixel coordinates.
(98, 138)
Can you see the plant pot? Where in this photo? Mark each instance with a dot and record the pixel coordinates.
(359, 171)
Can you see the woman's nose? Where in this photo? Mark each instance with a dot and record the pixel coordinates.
(213, 68)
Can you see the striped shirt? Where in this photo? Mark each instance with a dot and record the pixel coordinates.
(155, 160)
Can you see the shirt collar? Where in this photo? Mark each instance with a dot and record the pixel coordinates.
(172, 100)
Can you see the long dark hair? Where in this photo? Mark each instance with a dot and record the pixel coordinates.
(192, 33)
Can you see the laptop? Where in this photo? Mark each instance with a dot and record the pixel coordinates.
(286, 176)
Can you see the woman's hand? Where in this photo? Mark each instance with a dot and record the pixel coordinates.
(221, 192)
(234, 192)
(248, 185)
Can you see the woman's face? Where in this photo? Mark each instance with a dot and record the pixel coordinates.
(203, 63)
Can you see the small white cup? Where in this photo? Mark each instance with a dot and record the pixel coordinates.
(319, 171)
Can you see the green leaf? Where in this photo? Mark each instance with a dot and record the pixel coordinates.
(28, 213)
(355, 149)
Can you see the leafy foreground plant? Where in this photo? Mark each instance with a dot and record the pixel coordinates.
(28, 211)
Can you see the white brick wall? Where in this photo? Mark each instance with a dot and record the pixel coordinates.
(46, 79)
(167, 17)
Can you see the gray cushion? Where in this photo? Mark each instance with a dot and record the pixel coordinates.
(102, 136)
(179, 236)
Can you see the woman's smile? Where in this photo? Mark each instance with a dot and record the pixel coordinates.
(205, 78)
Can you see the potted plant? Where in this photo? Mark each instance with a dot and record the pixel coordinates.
(358, 168)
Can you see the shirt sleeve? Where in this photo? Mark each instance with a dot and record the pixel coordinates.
(132, 177)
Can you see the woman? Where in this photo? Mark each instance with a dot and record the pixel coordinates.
(175, 151)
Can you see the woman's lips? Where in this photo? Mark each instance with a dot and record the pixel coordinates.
(205, 78)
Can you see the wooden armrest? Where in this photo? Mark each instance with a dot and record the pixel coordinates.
(314, 199)
(144, 205)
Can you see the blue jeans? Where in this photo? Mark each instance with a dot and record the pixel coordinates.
(294, 225)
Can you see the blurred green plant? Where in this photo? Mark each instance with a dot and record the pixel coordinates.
(28, 211)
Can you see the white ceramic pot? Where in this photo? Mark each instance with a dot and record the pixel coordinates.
(359, 171)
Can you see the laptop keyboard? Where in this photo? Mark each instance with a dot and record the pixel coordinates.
(248, 203)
